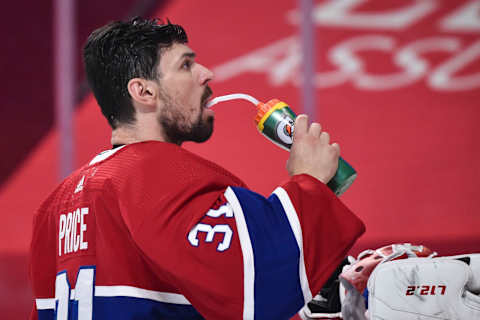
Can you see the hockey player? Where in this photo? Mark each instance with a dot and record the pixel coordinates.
(148, 230)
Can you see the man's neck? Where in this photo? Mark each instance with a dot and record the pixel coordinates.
(137, 132)
(123, 135)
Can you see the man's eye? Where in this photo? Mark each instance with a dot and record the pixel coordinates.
(187, 64)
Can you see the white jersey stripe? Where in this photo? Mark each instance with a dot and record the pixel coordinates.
(123, 291)
(297, 231)
(247, 252)
(44, 304)
(128, 291)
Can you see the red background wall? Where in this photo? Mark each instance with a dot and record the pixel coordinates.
(399, 93)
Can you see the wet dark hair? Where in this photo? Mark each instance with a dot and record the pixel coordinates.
(120, 51)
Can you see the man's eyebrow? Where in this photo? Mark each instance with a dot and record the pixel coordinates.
(188, 55)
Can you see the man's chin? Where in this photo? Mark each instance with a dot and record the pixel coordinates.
(203, 130)
(201, 139)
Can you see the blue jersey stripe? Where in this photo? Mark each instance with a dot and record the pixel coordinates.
(128, 308)
(276, 256)
(46, 314)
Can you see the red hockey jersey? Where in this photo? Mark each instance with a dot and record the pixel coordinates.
(152, 231)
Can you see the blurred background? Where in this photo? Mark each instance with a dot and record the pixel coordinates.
(396, 83)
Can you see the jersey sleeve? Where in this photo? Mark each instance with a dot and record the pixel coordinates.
(251, 257)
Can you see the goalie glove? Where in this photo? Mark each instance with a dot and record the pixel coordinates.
(353, 280)
(444, 288)
(358, 273)
(333, 301)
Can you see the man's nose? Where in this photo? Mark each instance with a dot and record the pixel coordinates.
(204, 74)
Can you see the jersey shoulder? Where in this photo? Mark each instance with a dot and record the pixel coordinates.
(159, 161)
(157, 178)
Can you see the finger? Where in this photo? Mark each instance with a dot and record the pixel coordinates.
(336, 146)
(301, 124)
(315, 129)
(324, 137)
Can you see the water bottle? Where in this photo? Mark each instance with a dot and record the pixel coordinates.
(275, 120)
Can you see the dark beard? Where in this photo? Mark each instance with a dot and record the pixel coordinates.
(175, 132)
(176, 127)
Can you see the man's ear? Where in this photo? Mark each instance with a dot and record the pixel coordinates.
(142, 91)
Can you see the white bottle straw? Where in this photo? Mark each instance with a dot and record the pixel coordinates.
(233, 96)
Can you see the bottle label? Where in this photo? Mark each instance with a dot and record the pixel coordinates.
(285, 130)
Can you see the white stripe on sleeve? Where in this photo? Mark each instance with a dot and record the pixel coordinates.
(297, 231)
(247, 252)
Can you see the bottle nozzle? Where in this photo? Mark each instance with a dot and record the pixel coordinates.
(264, 108)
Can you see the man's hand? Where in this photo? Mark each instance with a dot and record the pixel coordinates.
(311, 151)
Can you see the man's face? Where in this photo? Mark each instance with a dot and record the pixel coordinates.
(183, 96)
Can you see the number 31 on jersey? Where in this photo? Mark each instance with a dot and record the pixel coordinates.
(212, 230)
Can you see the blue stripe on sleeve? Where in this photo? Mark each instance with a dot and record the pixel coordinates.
(276, 256)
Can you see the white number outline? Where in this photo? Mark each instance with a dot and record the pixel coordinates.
(224, 245)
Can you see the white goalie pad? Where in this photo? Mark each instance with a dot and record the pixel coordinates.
(426, 289)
